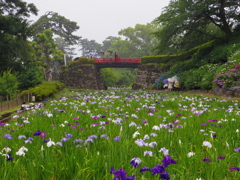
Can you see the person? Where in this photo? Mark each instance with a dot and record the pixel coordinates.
(170, 84)
(165, 82)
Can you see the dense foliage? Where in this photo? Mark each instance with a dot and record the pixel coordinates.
(80, 61)
(32, 75)
(118, 77)
(44, 90)
(14, 31)
(8, 83)
(183, 22)
(59, 25)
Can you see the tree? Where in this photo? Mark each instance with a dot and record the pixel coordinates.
(31, 77)
(184, 21)
(134, 42)
(65, 48)
(118, 76)
(59, 25)
(125, 48)
(46, 51)
(141, 38)
(90, 48)
(108, 42)
(8, 83)
(14, 31)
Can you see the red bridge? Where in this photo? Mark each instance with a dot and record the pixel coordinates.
(118, 62)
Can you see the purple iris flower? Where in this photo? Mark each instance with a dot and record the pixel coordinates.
(37, 133)
(117, 138)
(206, 159)
(135, 162)
(165, 175)
(168, 160)
(59, 143)
(144, 122)
(237, 149)
(145, 169)
(45, 140)
(65, 139)
(8, 136)
(234, 168)
(43, 135)
(93, 136)
(95, 117)
(159, 168)
(121, 174)
(29, 140)
(2, 124)
(78, 141)
(221, 157)
(68, 135)
(212, 120)
(9, 157)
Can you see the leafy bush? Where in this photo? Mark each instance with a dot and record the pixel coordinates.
(228, 73)
(80, 61)
(8, 83)
(197, 60)
(44, 90)
(167, 59)
(200, 78)
(31, 76)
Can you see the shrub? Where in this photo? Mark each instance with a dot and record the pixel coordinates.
(45, 90)
(167, 59)
(80, 61)
(228, 73)
(200, 78)
(31, 76)
(8, 83)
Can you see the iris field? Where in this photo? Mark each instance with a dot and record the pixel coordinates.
(123, 135)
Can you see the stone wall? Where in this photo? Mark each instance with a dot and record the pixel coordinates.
(89, 77)
(147, 75)
(232, 92)
(83, 77)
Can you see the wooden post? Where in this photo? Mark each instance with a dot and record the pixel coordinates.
(7, 102)
(10, 101)
(28, 97)
(1, 102)
(16, 95)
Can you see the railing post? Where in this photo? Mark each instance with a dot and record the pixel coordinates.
(1, 102)
(7, 102)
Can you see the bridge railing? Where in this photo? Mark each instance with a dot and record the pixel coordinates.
(117, 59)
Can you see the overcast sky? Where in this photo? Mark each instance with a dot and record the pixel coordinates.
(99, 19)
